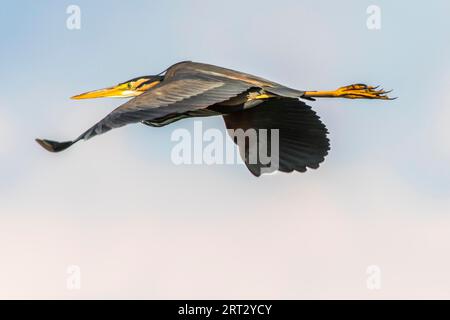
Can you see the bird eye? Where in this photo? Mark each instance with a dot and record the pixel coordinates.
(129, 85)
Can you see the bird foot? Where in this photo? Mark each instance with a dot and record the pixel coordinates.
(362, 91)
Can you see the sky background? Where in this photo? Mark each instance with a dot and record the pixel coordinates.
(139, 226)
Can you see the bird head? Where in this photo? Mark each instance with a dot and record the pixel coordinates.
(127, 89)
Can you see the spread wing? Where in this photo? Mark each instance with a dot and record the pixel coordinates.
(176, 95)
(173, 97)
(302, 137)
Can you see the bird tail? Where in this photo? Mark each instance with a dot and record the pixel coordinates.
(54, 146)
(285, 92)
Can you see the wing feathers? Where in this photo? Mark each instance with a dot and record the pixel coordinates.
(175, 97)
(302, 141)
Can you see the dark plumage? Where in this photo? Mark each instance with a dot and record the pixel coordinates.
(303, 141)
(189, 89)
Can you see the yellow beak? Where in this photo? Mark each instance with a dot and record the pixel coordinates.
(120, 91)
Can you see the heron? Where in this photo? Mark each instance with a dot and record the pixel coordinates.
(191, 89)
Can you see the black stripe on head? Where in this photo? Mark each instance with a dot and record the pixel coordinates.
(151, 80)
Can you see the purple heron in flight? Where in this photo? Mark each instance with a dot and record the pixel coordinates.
(189, 89)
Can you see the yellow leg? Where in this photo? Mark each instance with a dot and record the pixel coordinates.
(354, 91)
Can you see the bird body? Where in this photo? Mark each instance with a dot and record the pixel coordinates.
(190, 89)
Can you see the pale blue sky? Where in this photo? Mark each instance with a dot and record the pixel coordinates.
(388, 163)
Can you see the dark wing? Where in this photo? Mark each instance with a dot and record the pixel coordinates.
(187, 67)
(302, 136)
(174, 96)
